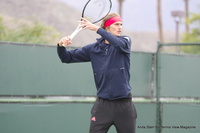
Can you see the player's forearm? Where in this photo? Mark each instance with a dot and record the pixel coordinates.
(63, 54)
(120, 42)
(112, 39)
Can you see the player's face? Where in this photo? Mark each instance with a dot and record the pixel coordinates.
(115, 28)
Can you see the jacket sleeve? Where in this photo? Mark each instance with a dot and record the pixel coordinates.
(123, 43)
(72, 56)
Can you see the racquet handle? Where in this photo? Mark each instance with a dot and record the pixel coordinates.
(76, 31)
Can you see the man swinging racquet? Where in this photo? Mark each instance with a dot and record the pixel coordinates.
(110, 59)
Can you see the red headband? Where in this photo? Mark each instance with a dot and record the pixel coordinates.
(112, 20)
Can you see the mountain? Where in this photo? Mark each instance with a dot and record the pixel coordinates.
(51, 12)
(64, 18)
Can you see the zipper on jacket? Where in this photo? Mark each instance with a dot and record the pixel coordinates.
(106, 51)
(105, 63)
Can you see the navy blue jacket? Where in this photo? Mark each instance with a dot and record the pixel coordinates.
(110, 63)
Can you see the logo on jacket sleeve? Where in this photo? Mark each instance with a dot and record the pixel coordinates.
(127, 38)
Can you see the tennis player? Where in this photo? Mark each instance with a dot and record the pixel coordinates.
(110, 59)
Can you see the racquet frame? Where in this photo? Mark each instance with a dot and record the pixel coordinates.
(80, 28)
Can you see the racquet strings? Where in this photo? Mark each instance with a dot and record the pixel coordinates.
(96, 10)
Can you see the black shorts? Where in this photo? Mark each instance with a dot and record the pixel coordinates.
(121, 113)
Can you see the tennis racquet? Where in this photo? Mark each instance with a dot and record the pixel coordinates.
(94, 11)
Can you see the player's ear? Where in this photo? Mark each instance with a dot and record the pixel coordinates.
(107, 28)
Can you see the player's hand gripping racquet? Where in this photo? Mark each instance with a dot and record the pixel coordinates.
(94, 11)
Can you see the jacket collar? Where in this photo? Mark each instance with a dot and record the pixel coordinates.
(100, 42)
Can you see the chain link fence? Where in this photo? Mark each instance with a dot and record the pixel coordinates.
(166, 85)
(178, 88)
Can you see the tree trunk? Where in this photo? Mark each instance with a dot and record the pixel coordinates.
(186, 15)
(120, 7)
(159, 16)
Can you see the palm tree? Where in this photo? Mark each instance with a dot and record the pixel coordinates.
(186, 15)
(159, 16)
(120, 7)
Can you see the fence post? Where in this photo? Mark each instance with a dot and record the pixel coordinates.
(158, 87)
(153, 71)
